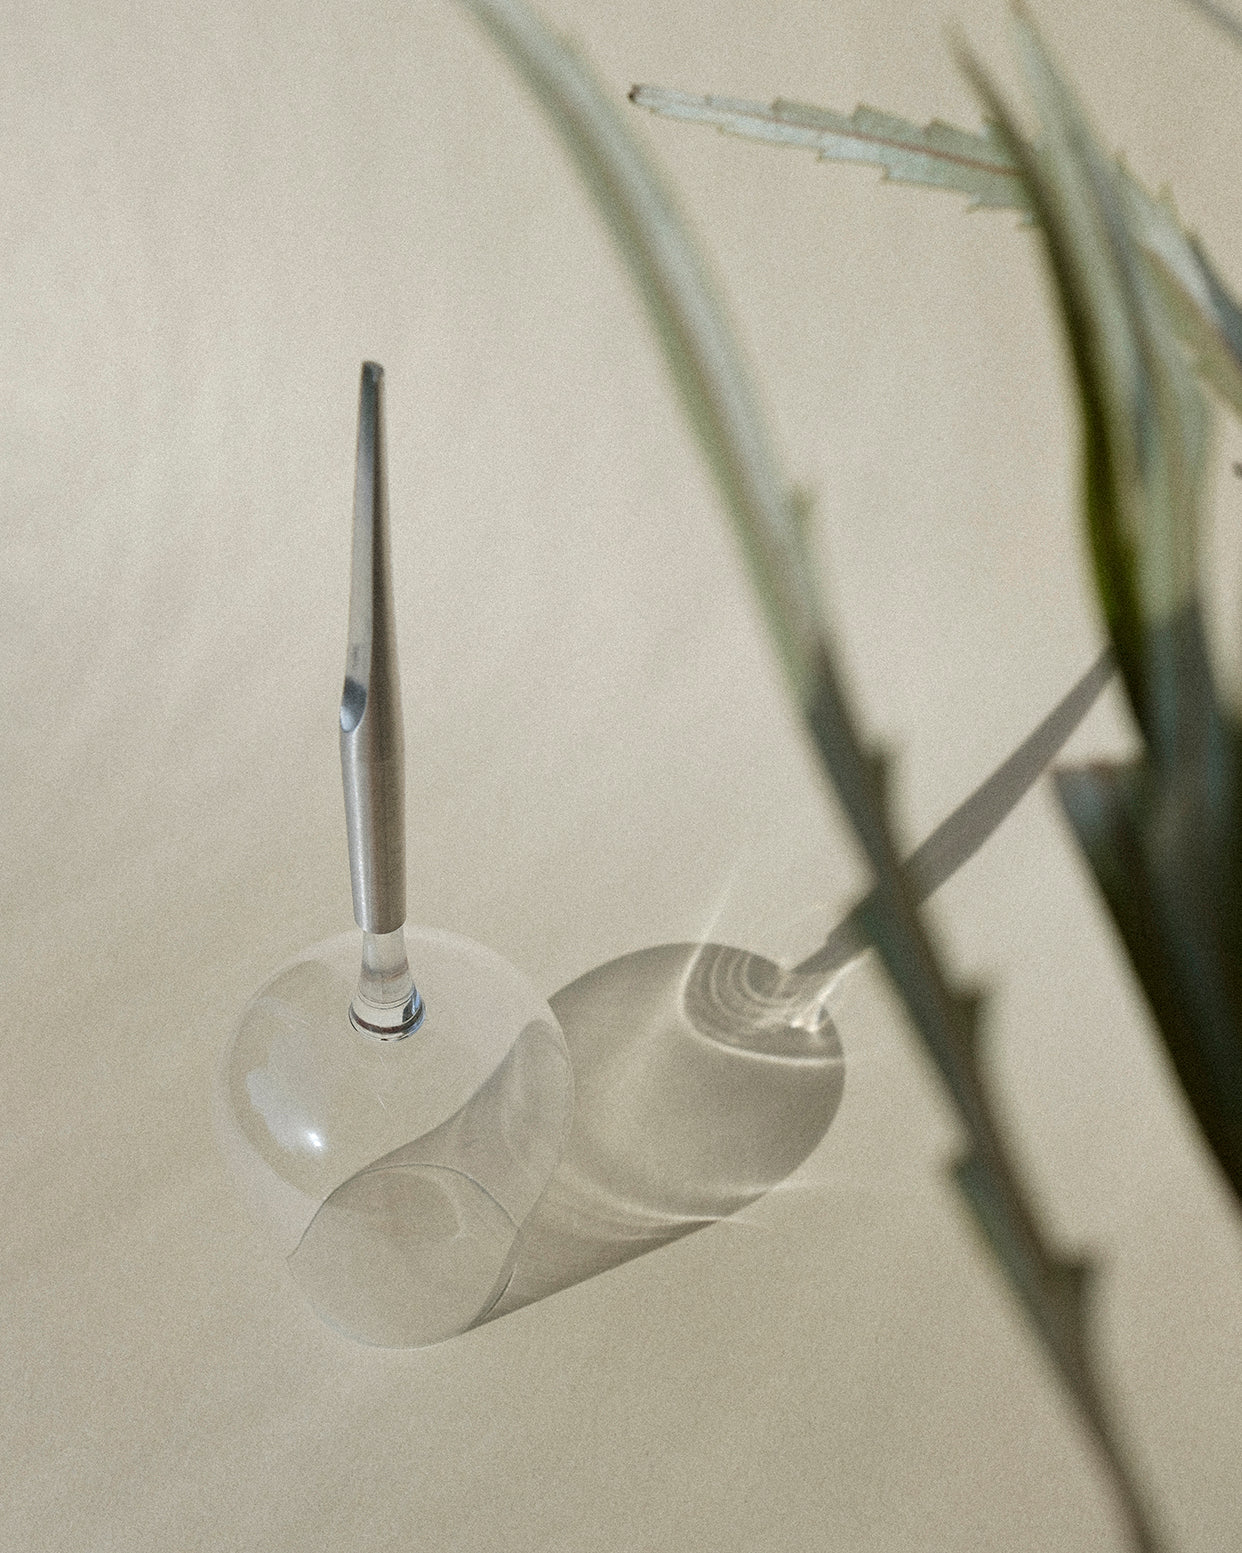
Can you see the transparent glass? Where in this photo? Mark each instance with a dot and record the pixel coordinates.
(395, 1174)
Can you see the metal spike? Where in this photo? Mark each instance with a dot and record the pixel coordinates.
(372, 741)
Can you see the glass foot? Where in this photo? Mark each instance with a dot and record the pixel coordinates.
(394, 1167)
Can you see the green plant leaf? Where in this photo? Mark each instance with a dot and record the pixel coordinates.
(1163, 835)
(1204, 314)
(936, 155)
(1144, 420)
(1171, 882)
(979, 164)
(710, 374)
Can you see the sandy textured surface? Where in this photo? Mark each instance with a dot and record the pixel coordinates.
(213, 214)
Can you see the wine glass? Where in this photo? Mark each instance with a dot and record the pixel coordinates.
(391, 1137)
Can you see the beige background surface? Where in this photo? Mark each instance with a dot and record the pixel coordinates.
(213, 213)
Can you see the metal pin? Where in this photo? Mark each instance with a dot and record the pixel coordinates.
(387, 1003)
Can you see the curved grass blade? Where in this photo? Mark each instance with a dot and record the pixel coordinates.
(710, 375)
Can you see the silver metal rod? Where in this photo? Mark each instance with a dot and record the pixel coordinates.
(372, 741)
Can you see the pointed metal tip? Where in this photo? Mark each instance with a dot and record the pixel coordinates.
(372, 756)
(369, 482)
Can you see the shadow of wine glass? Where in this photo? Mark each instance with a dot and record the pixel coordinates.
(704, 1075)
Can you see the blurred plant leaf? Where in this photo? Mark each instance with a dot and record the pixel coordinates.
(980, 165)
(710, 374)
(1144, 420)
(1171, 882)
(1204, 314)
(1163, 835)
(1221, 16)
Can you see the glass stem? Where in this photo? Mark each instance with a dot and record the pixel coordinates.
(387, 1004)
